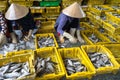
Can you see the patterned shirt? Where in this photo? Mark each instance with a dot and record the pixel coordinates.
(3, 25)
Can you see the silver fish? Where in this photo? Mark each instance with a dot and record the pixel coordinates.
(99, 59)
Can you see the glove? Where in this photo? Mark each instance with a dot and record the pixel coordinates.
(61, 38)
(79, 37)
(3, 39)
(71, 38)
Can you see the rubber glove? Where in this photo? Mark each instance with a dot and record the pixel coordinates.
(71, 38)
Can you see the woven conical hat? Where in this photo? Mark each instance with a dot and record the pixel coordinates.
(74, 10)
(16, 11)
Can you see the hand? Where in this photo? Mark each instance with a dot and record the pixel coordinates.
(61, 38)
(26, 38)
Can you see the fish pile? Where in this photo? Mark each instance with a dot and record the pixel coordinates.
(14, 71)
(116, 7)
(102, 30)
(99, 60)
(117, 15)
(65, 44)
(111, 39)
(45, 42)
(94, 38)
(74, 66)
(12, 47)
(103, 17)
(44, 66)
(100, 8)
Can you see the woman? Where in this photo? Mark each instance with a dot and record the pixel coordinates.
(68, 21)
(20, 17)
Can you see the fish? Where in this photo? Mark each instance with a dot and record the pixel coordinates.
(94, 38)
(21, 45)
(74, 65)
(44, 66)
(45, 42)
(99, 59)
(14, 70)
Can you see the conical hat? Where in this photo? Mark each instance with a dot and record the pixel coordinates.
(74, 10)
(16, 11)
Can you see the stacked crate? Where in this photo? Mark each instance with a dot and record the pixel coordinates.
(27, 3)
(3, 5)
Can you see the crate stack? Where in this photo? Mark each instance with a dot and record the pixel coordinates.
(3, 5)
(27, 3)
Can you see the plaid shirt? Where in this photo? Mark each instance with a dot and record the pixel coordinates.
(3, 25)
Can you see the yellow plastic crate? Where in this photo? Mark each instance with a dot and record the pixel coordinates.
(42, 19)
(53, 54)
(47, 27)
(44, 35)
(1, 56)
(110, 28)
(3, 3)
(50, 14)
(85, 25)
(112, 17)
(86, 33)
(76, 53)
(114, 48)
(11, 54)
(117, 37)
(21, 58)
(37, 9)
(97, 48)
(112, 1)
(53, 9)
(100, 12)
(112, 37)
(94, 19)
(94, 2)
(52, 18)
(24, 3)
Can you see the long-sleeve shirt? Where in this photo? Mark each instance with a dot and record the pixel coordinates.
(65, 22)
(3, 25)
(27, 23)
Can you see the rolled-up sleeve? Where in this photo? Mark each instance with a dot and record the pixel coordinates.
(62, 23)
(3, 24)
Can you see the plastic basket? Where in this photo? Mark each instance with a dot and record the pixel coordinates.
(76, 53)
(112, 1)
(85, 25)
(21, 58)
(100, 12)
(37, 10)
(3, 3)
(44, 35)
(94, 2)
(53, 9)
(24, 3)
(94, 19)
(53, 54)
(49, 3)
(113, 18)
(11, 54)
(46, 27)
(97, 48)
(110, 28)
(112, 37)
(51, 19)
(86, 33)
(42, 19)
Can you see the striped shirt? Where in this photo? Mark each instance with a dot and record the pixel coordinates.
(3, 25)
